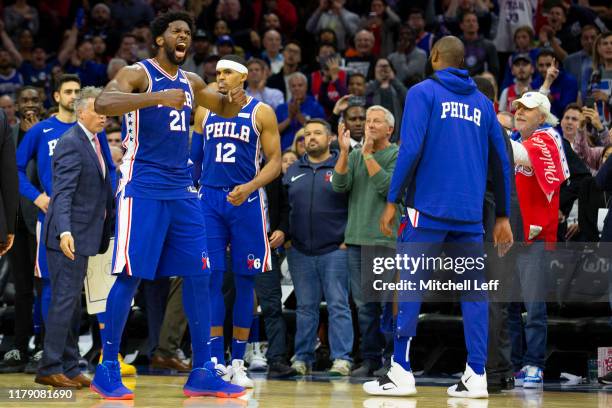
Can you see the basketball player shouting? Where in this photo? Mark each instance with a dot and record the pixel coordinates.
(160, 227)
(232, 199)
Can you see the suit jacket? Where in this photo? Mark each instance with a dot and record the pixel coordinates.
(28, 211)
(82, 199)
(9, 183)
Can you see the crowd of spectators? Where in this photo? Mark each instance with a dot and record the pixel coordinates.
(348, 63)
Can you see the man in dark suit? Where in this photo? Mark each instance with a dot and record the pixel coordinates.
(23, 255)
(9, 187)
(77, 226)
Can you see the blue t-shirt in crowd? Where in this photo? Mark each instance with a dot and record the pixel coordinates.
(310, 108)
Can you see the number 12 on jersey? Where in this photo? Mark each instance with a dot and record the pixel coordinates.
(225, 153)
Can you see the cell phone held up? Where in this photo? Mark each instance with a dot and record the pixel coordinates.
(589, 102)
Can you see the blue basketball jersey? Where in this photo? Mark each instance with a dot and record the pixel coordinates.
(156, 162)
(11, 83)
(231, 147)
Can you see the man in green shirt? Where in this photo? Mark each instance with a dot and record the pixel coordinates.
(366, 174)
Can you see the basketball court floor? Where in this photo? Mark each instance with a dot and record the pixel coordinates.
(319, 391)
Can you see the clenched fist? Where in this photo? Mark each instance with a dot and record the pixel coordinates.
(172, 98)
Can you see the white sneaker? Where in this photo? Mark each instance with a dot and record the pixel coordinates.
(301, 367)
(258, 361)
(239, 374)
(340, 368)
(248, 353)
(534, 377)
(397, 382)
(224, 372)
(519, 377)
(471, 385)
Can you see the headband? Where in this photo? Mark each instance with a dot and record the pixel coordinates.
(233, 65)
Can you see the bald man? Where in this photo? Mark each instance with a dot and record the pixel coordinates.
(449, 132)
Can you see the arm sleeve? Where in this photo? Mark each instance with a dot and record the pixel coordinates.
(66, 172)
(415, 122)
(25, 152)
(283, 224)
(503, 100)
(312, 24)
(520, 154)
(9, 184)
(590, 155)
(350, 21)
(500, 166)
(197, 155)
(341, 183)
(382, 179)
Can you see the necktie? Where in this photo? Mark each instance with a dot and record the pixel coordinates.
(99, 154)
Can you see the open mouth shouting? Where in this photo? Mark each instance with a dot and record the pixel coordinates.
(180, 50)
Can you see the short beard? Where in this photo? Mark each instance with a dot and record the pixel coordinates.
(68, 108)
(172, 56)
(317, 152)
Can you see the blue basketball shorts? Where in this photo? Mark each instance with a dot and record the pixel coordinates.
(159, 238)
(243, 228)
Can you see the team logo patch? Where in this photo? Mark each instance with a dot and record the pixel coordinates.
(328, 176)
(253, 262)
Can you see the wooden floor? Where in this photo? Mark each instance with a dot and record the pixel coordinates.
(166, 391)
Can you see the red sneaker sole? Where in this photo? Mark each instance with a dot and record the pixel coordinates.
(122, 398)
(217, 394)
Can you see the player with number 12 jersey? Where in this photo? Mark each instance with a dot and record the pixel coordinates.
(227, 156)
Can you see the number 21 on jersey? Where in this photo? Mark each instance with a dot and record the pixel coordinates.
(177, 122)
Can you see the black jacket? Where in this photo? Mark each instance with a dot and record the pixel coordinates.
(28, 211)
(9, 182)
(317, 214)
(82, 200)
(278, 207)
(604, 182)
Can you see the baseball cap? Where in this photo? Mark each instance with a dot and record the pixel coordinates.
(521, 56)
(537, 100)
(225, 39)
(200, 35)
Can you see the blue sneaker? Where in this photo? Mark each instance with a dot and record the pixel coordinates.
(519, 377)
(534, 377)
(107, 382)
(207, 382)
